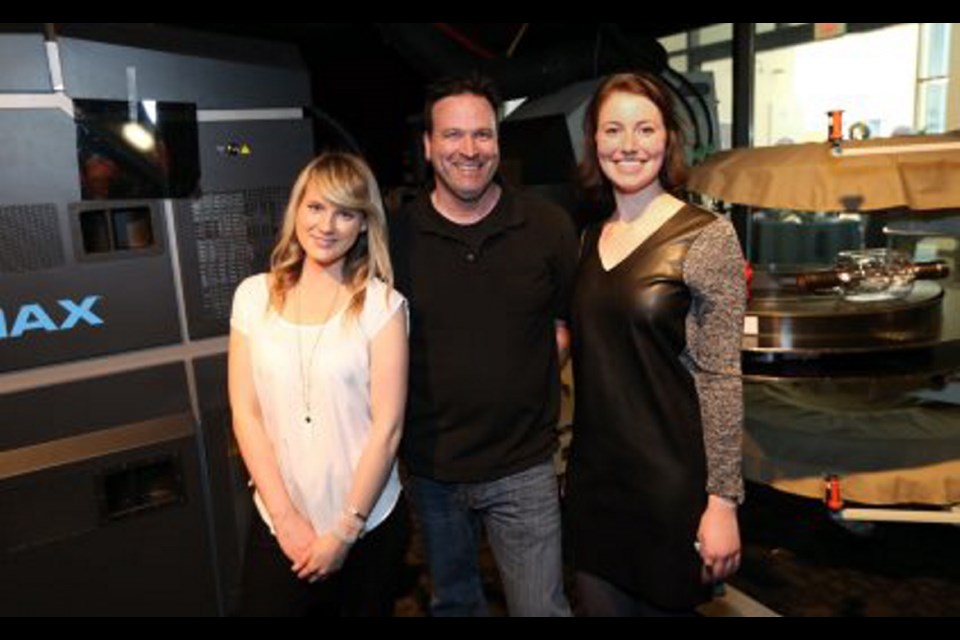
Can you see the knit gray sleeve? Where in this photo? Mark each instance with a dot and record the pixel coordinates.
(714, 272)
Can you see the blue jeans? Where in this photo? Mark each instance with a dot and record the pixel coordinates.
(521, 514)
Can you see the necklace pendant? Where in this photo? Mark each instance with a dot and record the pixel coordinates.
(308, 420)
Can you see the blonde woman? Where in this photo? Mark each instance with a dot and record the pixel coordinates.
(318, 381)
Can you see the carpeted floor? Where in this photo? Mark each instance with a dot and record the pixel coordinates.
(800, 563)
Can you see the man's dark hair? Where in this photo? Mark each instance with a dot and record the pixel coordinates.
(470, 84)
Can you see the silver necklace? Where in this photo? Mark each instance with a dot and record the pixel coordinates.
(306, 372)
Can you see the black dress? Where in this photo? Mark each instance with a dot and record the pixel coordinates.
(653, 339)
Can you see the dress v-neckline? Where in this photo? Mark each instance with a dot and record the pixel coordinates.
(633, 252)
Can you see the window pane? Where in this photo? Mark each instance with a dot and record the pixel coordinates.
(933, 106)
(935, 61)
(871, 76)
(722, 71)
(674, 43)
(715, 33)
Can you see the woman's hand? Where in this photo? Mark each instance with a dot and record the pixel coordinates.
(295, 536)
(326, 557)
(719, 538)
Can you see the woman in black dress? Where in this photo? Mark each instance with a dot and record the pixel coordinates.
(654, 479)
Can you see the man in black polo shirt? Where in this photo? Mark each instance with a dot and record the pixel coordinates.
(487, 272)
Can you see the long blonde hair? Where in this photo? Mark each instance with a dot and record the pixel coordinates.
(347, 183)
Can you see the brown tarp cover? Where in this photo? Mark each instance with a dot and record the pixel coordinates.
(809, 177)
(895, 456)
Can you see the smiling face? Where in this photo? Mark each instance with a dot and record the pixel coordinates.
(631, 141)
(463, 147)
(326, 232)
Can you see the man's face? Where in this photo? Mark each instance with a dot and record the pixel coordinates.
(463, 147)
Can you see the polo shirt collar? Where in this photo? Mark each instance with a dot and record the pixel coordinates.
(505, 215)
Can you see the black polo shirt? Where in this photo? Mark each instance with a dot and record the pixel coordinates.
(484, 299)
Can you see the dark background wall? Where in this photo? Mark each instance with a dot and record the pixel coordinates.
(370, 77)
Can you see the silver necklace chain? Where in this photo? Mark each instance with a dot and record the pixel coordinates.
(307, 371)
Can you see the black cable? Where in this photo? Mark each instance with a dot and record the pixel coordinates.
(711, 131)
(349, 141)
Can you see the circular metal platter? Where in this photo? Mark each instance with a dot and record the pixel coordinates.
(819, 324)
(916, 339)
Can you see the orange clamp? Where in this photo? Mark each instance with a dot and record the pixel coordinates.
(834, 499)
(836, 126)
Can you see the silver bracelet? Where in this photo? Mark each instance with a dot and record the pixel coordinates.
(345, 538)
(355, 513)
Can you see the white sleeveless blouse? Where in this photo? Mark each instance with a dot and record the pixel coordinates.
(317, 459)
